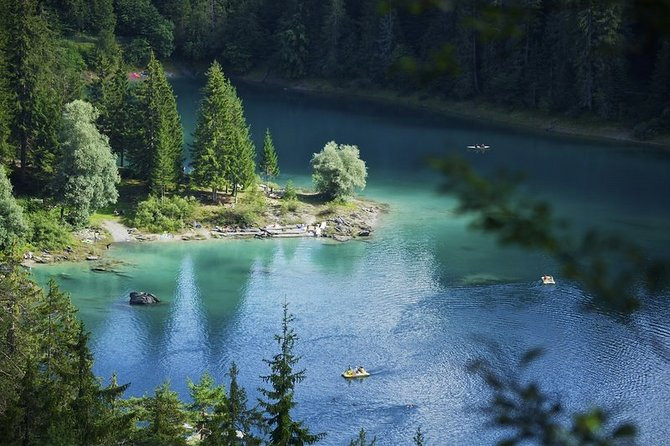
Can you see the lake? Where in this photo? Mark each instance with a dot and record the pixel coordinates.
(416, 302)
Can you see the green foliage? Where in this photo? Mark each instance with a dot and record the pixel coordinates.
(292, 40)
(219, 416)
(166, 214)
(338, 170)
(211, 153)
(137, 52)
(140, 18)
(362, 440)
(116, 111)
(223, 150)
(164, 415)
(46, 230)
(156, 155)
(33, 81)
(87, 174)
(290, 193)
(529, 414)
(48, 389)
(285, 431)
(12, 222)
(248, 212)
(270, 161)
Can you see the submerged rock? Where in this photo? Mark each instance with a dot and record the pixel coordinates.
(142, 298)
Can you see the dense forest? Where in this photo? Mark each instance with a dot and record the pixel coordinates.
(67, 104)
(609, 58)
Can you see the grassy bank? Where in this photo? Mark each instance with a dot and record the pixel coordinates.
(192, 215)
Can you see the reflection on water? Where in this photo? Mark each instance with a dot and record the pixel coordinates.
(411, 305)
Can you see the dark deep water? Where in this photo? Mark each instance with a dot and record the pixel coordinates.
(414, 304)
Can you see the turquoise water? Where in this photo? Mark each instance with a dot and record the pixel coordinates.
(413, 304)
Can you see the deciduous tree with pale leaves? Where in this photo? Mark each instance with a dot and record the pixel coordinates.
(87, 175)
(338, 170)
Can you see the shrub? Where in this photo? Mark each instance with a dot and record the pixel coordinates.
(47, 232)
(289, 206)
(338, 170)
(243, 216)
(168, 214)
(290, 193)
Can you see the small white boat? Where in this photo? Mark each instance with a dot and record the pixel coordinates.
(358, 372)
(548, 280)
(479, 147)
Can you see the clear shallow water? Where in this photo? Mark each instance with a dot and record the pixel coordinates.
(414, 303)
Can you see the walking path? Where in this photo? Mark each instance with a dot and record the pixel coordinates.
(118, 231)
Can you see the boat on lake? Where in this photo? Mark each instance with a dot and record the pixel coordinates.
(548, 280)
(479, 147)
(358, 372)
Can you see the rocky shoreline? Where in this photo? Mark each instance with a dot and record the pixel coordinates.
(357, 222)
(360, 222)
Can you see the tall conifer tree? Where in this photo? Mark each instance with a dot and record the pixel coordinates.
(29, 52)
(159, 158)
(285, 431)
(270, 162)
(210, 154)
(222, 148)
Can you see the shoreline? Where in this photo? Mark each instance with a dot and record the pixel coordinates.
(535, 121)
(357, 220)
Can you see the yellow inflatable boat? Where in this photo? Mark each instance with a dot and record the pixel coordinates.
(360, 372)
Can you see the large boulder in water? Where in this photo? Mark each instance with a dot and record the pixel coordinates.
(142, 298)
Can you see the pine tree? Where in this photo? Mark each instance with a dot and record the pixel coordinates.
(270, 162)
(35, 104)
(159, 157)
(333, 31)
(6, 149)
(292, 41)
(222, 147)
(210, 153)
(209, 409)
(114, 111)
(17, 299)
(164, 416)
(280, 397)
(362, 440)
(419, 439)
(241, 419)
(240, 167)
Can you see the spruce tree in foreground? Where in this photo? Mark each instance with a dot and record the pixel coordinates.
(270, 162)
(162, 417)
(224, 420)
(158, 158)
(285, 431)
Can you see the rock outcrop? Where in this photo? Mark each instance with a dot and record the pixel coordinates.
(142, 298)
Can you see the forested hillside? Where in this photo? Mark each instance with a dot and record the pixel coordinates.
(608, 58)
